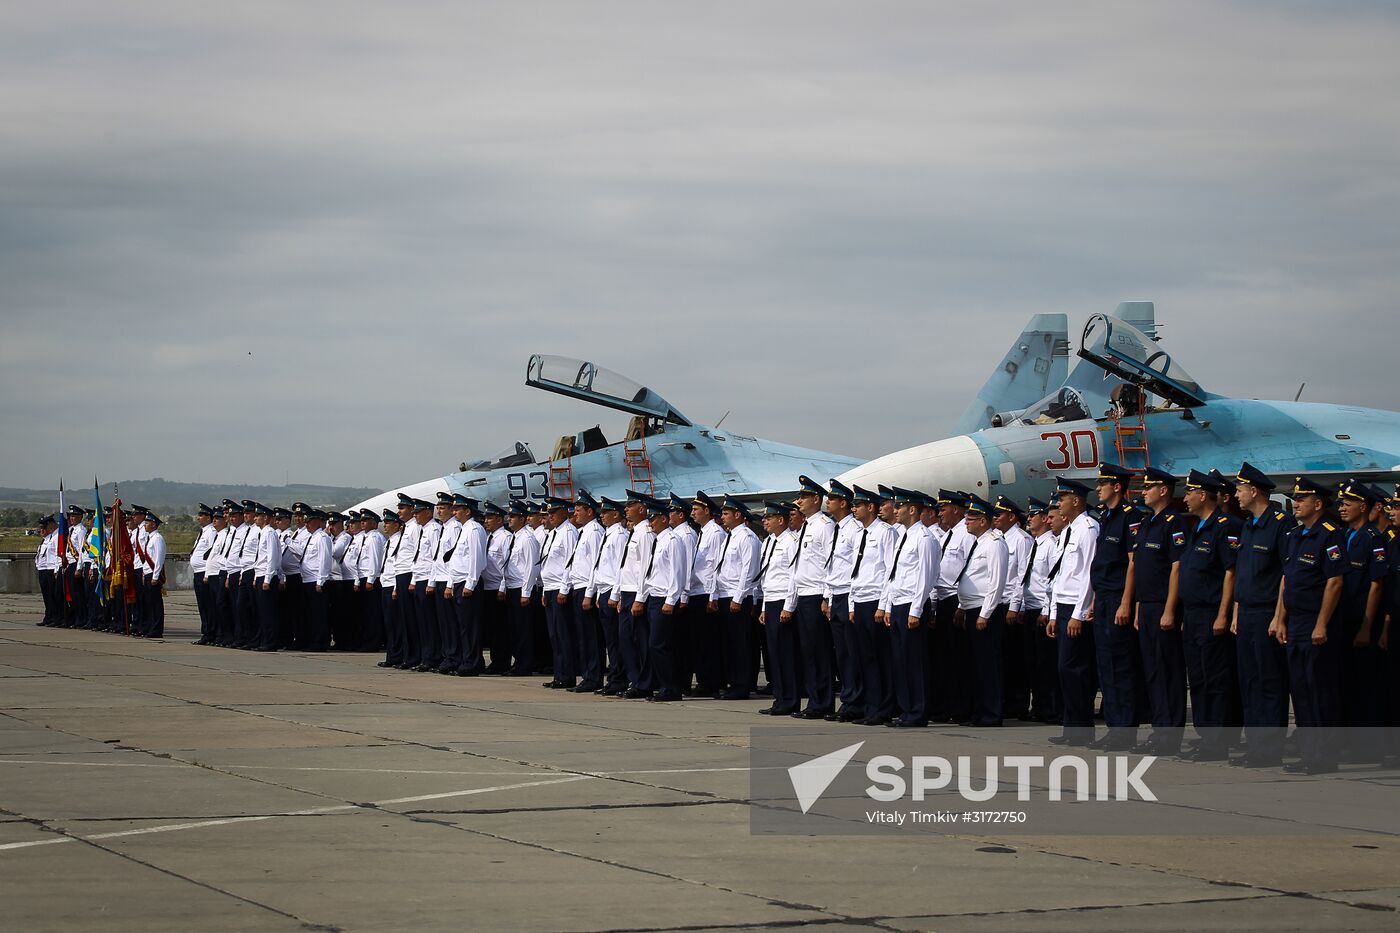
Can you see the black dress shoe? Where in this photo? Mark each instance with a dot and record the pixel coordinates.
(832, 717)
(732, 695)
(636, 693)
(584, 688)
(1259, 761)
(662, 696)
(551, 685)
(810, 713)
(910, 723)
(1309, 767)
(849, 715)
(1070, 740)
(1209, 754)
(199, 642)
(716, 695)
(385, 664)
(872, 721)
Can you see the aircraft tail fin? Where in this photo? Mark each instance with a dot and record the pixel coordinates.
(1037, 362)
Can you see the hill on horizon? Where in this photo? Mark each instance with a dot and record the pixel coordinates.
(168, 497)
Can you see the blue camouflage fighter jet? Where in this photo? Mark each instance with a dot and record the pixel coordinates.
(1129, 403)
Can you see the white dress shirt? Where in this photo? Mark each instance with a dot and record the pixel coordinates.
(608, 564)
(497, 545)
(843, 557)
(46, 558)
(268, 563)
(293, 549)
(427, 551)
(1043, 558)
(339, 548)
(405, 551)
(954, 544)
(914, 569)
(558, 548)
(984, 579)
(468, 564)
(241, 549)
(775, 569)
(522, 562)
(373, 553)
(585, 556)
(641, 542)
(669, 576)
(446, 551)
(214, 562)
(706, 560)
(199, 554)
(736, 569)
(1019, 545)
(316, 562)
(815, 541)
(155, 550)
(1071, 583)
(874, 550)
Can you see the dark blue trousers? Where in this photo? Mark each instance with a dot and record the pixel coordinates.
(874, 697)
(585, 641)
(735, 635)
(318, 623)
(1207, 673)
(201, 603)
(444, 604)
(1314, 683)
(522, 630)
(986, 649)
(393, 622)
(245, 612)
(1117, 658)
(408, 612)
(467, 610)
(558, 619)
(909, 651)
(425, 612)
(706, 643)
(661, 648)
(783, 662)
(266, 601)
(632, 635)
(843, 639)
(1164, 671)
(1077, 682)
(222, 621)
(291, 613)
(1263, 670)
(946, 694)
(815, 636)
(614, 671)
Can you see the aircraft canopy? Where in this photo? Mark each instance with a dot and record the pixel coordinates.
(518, 454)
(1121, 349)
(589, 383)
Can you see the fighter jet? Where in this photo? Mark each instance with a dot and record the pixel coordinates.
(662, 450)
(1128, 402)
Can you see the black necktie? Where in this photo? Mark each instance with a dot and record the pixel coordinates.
(548, 543)
(650, 561)
(599, 559)
(860, 552)
(967, 563)
(1030, 563)
(769, 548)
(728, 537)
(832, 553)
(800, 538)
(384, 561)
(397, 544)
(894, 564)
(1061, 559)
(460, 531)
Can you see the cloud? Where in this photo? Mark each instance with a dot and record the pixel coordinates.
(321, 241)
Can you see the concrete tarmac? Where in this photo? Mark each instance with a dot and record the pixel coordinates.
(156, 785)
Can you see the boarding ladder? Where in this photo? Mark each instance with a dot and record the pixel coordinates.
(634, 454)
(561, 470)
(1130, 435)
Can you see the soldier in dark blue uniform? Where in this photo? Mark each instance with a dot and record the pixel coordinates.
(1207, 587)
(1261, 661)
(1308, 625)
(1115, 639)
(1361, 612)
(1158, 613)
(1389, 641)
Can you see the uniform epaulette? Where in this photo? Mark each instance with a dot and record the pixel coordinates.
(1329, 526)
(1278, 516)
(1171, 516)
(1222, 519)
(1390, 533)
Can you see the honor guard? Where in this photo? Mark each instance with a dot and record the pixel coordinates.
(1017, 646)
(1115, 640)
(1308, 625)
(216, 579)
(664, 586)
(731, 599)
(705, 634)
(425, 608)
(403, 645)
(915, 569)
(199, 561)
(1072, 599)
(585, 633)
(1260, 659)
(467, 584)
(1207, 587)
(874, 696)
(982, 612)
(555, 554)
(374, 559)
(521, 574)
(267, 578)
(439, 586)
(1156, 589)
(1361, 612)
(600, 595)
(1041, 662)
(774, 585)
(816, 541)
(947, 684)
(315, 575)
(154, 613)
(836, 601)
(495, 635)
(632, 626)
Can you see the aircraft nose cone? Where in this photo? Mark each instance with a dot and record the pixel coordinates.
(952, 463)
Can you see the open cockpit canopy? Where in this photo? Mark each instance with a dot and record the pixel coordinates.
(590, 383)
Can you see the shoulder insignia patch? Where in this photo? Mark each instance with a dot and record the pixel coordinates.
(1334, 552)
(1329, 526)
(1234, 541)
(1278, 516)
(1222, 520)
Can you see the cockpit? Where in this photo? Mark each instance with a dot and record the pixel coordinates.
(517, 455)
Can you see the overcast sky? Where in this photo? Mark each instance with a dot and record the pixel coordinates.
(318, 241)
